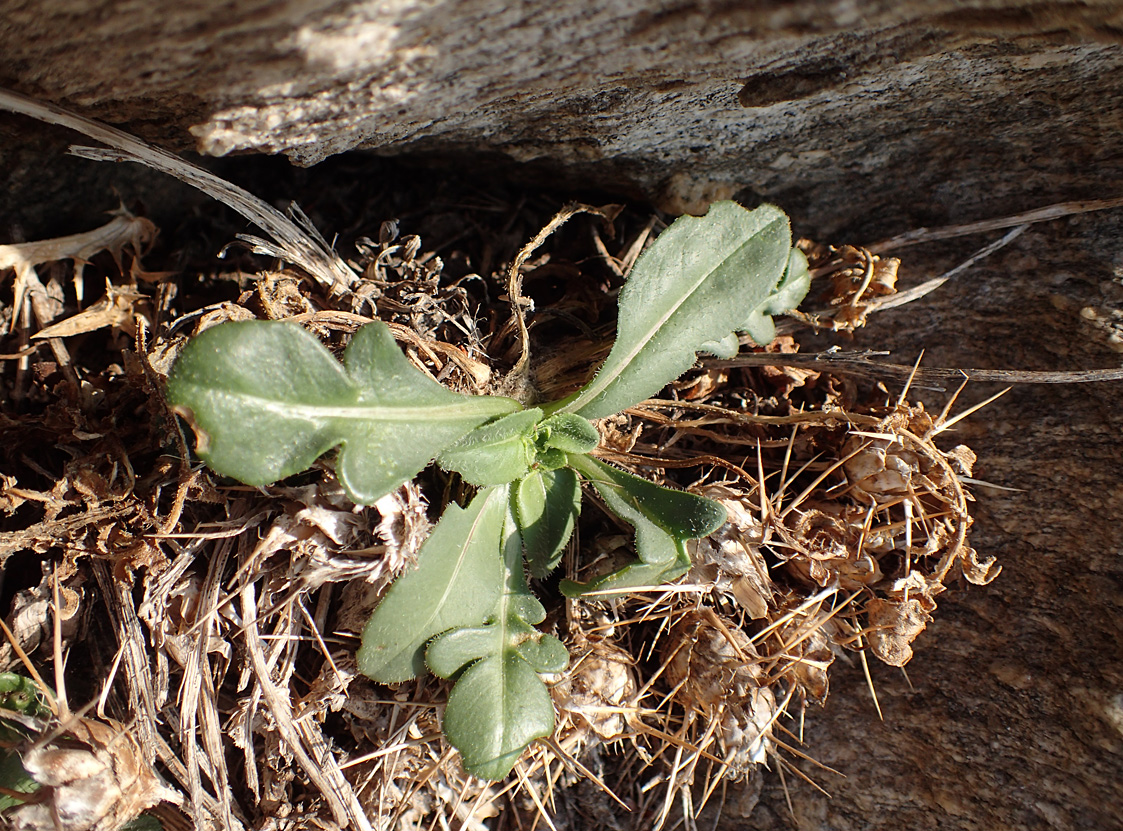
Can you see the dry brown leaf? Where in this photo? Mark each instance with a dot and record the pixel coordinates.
(979, 572)
(715, 670)
(404, 526)
(30, 619)
(116, 309)
(730, 560)
(894, 625)
(813, 658)
(710, 664)
(784, 379)
(121, 231)
(598, 690)
(698, 386)
(97, 781)
(880, 469)
(962, 459)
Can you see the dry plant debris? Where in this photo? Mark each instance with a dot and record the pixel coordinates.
(213, 626)
(210, 629)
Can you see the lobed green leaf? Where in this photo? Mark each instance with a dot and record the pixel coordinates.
(495, 710)
(727, 347)
(499, 705)
(787, 295)
(701, 280)
(266, 399)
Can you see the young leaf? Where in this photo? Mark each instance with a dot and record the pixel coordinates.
(499, 452)
(22, 695)
(456, 584)
(547, 503)
(568, 432)
(266, 399)
(695, 285)
(499, 705)
(664, 520)
(560, 434)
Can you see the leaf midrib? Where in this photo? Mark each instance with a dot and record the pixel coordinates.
(503, 626)
(471, 408)
(462, 559)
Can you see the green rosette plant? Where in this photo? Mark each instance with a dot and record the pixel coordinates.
(266, 399)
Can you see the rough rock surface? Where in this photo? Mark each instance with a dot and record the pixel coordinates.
(833, 109)
(1014, 714)
(862, 120)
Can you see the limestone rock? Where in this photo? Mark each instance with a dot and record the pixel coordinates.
(1011, 714)
(837, 109)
